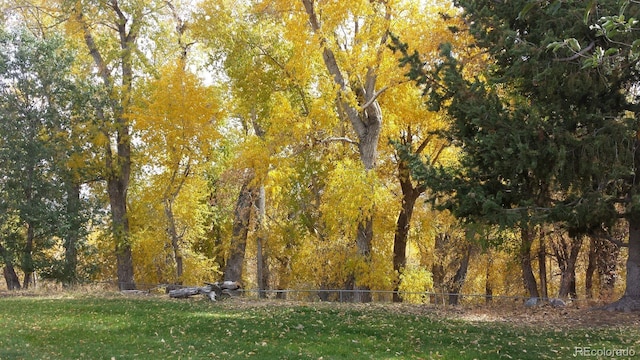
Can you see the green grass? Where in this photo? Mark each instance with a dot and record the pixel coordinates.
(157, 328)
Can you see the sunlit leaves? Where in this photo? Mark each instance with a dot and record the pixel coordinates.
(348, 198)
(177, 122)
(414, 282)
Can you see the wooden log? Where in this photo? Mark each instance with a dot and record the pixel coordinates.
(184, 292)
(211, 290)
(226, 288)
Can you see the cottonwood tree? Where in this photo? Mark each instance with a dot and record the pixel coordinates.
(344, 48)
(177, 116)
(110, 32)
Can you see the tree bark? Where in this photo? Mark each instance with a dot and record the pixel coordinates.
(460, 277)
(568, 268)
(632, 289)
(262, 271)
(177, 180)
(240, 231)
(591, 268)
(27, 257)
(363, 242)
(488, 286)
(630, 301)
(11, 278)
(542, 267)
(9, 272)
(72, 236)
(566, 252)
(172, 230)
(437, 269)
(528, 278)
(409, 196)
(120, 228)
(607, 266)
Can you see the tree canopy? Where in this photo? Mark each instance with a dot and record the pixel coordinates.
(545, 136)
(281, 144)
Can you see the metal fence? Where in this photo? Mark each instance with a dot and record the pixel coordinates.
(376, 296)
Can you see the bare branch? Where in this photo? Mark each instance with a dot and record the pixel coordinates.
(603, 234)
(339, 139)
(374, 97)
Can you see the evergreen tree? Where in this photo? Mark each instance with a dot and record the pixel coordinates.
(544, 138)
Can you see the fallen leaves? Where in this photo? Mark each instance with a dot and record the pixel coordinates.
(154, 328)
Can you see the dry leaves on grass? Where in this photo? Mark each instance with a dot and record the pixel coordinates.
(580, 315)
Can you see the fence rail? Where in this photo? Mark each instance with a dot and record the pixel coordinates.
(382, 296)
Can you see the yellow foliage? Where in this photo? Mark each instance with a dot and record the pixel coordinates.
(415, 281)
(199, 268)
(322, 264)
(349, 197)
(179, 115)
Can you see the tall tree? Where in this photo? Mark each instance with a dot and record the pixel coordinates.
(537, 129)
(364, 114)
(110, 32)
(40, 198)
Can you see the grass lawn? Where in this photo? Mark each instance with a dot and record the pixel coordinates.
(118, 327)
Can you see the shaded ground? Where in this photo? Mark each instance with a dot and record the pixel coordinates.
(573, 316)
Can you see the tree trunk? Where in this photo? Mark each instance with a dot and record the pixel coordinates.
(27, 257)
(633, 261)
(591, 268)
(542, 267)
(630, 301)
(118, 165)
(409, 197)
(175, 238)
(72, 236)
(607, 266)
(262, 269)
(172, 231)
(178, 178)
(437, 269)
(363, 242)
(120, 227)
(568, 269)
(488, 286)
(459, 277)
(566, 253)
(10, 276)
(365, 118)
(529, 279)
(240, 231)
